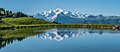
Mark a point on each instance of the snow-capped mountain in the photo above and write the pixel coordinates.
(67, 17)
(53, 14)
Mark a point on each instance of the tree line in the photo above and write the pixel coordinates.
(6, 13)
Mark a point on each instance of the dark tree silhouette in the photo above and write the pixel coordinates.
(10, 14)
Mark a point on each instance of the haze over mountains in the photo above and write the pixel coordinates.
(67, 17)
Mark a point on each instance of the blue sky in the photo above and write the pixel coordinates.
(106, 7)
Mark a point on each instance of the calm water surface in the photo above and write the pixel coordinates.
(60, 40)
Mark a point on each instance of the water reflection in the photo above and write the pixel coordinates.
(4, 42)
(9, 36)
(60, 34)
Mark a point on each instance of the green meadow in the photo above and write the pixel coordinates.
(29, 22)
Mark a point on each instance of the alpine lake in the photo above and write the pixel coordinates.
(60, 40)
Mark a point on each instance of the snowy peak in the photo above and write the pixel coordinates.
(51, 15)
(58, 10)
(52, 12)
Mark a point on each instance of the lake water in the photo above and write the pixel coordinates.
(60, 40)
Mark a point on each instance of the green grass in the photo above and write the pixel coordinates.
(93, 26)
(4, 25)
(20, 32)
(24, 21)
(8, 36)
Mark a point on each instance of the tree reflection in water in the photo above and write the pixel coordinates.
(9, 36)
(4, 42)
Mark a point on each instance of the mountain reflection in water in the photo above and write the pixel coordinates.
(62, 33)
(9, 36)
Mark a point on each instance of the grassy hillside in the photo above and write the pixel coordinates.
(20, 32)
(29, 22)
(22, 21)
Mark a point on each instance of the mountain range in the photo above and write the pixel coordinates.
(67, 17)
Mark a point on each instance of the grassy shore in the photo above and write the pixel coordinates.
(28, 22)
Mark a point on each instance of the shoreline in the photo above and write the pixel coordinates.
(92, 26)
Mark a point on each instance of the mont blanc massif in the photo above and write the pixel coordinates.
(67, 17)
